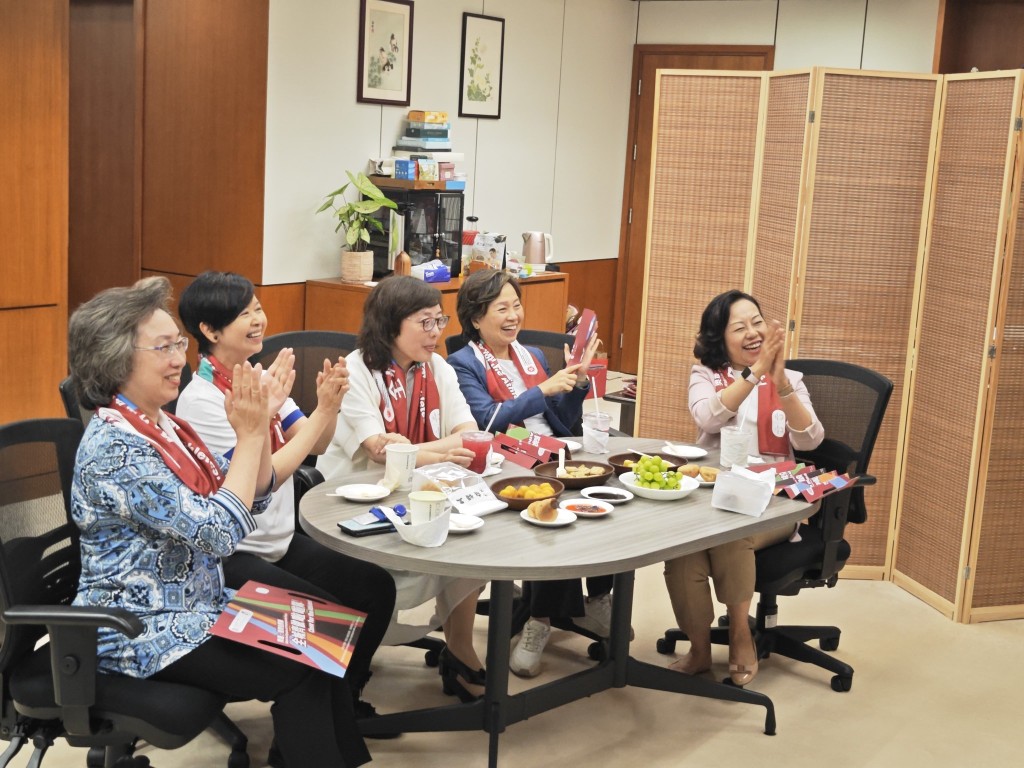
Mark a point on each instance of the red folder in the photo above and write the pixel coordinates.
(584, 330)
(301, 627)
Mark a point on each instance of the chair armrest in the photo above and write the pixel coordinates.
(306, 477)
(56, 616)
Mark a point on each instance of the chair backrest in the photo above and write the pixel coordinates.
(311, 348)
(551, 343)
(69, 396)
(39, 553)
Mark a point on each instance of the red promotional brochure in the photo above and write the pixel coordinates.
(526, 448)
(584, 330)
(292, 624)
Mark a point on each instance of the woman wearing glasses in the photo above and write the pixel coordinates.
(158, 511)
(222, 312)
(402, 391)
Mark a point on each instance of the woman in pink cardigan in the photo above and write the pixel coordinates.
(742, 379)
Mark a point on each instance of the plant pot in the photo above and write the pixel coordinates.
(356, 266)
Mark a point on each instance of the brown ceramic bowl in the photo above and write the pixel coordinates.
(575, 483)
(517, 482)
(617, 459)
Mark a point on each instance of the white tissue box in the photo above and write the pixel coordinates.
(743, 491)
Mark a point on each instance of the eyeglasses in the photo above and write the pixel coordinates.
(169, 349)
(428, 323)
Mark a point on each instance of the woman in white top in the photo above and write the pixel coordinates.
(402, 391)
(742, 379)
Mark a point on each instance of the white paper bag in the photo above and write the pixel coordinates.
(743, 491)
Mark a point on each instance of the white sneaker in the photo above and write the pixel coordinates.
(525, 658)
(597, 616)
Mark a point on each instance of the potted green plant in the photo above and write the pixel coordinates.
(356, 217)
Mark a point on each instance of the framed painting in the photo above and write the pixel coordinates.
(483, 51)
(385, 52)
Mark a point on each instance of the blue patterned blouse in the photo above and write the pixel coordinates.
(152, 545)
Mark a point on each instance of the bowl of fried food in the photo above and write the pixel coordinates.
(578, 474)
(624, 462)
(520, 492)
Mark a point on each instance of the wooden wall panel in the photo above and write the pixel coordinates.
(205, 135)
(966, 241)
(706, 128)
(869, 191)
(592, 286)
(33, 153)
(101, 221)
(34, 354)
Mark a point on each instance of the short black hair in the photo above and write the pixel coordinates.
(710, 346)
(391, 301)
(214, 298)
(476, 294)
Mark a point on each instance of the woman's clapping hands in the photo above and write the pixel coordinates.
(247, 404)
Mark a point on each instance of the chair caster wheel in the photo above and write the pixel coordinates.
(829, 643)
(597, 651)
(432, 658)
(238, 760)
(841, 684)
(665, 646)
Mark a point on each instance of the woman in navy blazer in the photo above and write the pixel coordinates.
(507, 383)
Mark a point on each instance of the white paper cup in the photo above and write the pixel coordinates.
(425, 506)
(734, 443)
(399, 464)
(595, 432)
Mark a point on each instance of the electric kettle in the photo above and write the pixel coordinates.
(537, 248)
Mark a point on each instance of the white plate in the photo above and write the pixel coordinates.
(607, 493)
(361, 492)
(565, 517)
(495, 459)
(491, 470)
(687, 485)
(459, 523)
(572, 445)
(602, 508)
(683, 451)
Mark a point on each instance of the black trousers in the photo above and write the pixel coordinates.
(310, 567)
(314, 723)
(563, 598)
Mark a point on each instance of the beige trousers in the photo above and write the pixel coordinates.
(731, 566)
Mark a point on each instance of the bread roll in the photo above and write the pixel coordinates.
(543, 510)
(690, 470)
(709, 474)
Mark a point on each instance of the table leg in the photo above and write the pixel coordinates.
(496, 691)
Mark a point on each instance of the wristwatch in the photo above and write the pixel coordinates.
(750, 376)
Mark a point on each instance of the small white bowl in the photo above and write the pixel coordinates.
(608, 493)
(586, 507)
(686, 486)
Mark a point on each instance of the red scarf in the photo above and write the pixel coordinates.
(220, 376)
(771, 420)
(499, 385)
(202, 475)
(417, 425)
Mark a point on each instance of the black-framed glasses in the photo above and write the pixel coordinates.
(169, 349)
(428, 323)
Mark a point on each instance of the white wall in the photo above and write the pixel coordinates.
(555, 159)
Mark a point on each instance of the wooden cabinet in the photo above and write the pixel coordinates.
(333, 305)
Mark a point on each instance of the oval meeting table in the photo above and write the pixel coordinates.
(506, 548)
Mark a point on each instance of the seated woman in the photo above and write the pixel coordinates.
(506, 383)
(158, 511)
(402, 391)
(741, 379)
(221, 311)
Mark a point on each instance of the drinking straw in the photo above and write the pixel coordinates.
(493, 416)
(593, 387)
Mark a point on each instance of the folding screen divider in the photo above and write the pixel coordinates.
(961, 533)
(703, 164)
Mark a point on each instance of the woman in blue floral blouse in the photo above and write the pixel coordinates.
(157, 512)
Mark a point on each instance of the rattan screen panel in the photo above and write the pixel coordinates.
(953, 330)
(705, 138)
(778, 204)
(868, 199)
(998, 575)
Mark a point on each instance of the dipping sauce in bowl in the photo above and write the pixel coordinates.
(586, 507)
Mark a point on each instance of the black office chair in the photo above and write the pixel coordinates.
(54, 692)
(850, 402)
(69, 396)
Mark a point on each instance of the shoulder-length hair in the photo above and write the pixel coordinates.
(102, 334)
(389, 303)
(477, 293)
(214, 298)
(710, 346)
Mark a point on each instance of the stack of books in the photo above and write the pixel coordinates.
(424, 152)
(426, 130)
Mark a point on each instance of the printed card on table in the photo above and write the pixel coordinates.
(525, 448)
(301, 627)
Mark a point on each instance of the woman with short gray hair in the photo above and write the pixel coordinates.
(157, 510)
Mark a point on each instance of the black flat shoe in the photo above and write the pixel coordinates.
(451, 668)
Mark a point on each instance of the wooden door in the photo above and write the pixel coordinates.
(647, 60)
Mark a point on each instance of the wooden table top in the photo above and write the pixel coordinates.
(506, 547)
